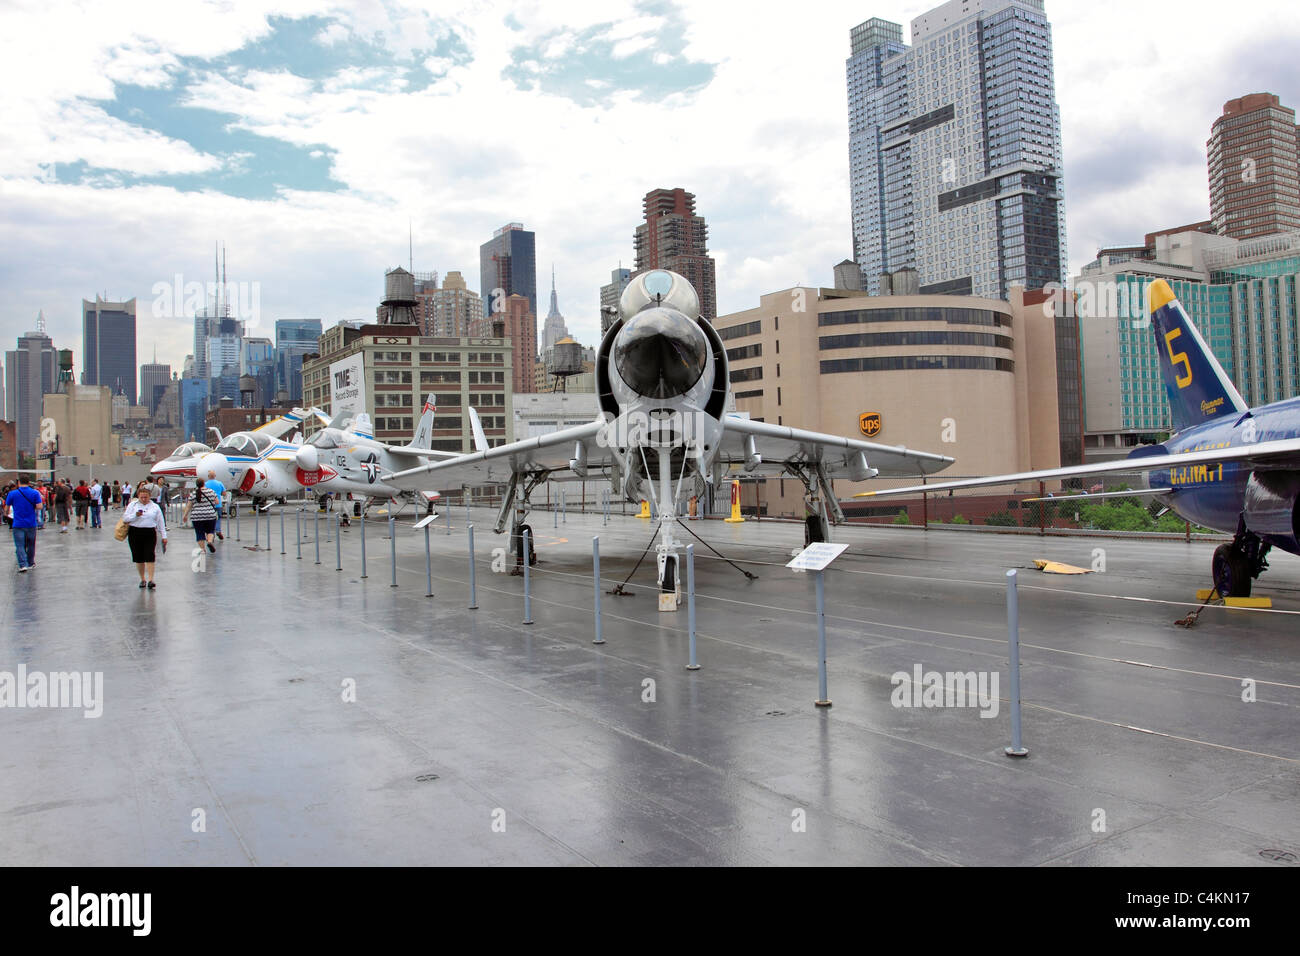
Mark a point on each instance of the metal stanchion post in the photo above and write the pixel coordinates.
(823, 700)
(363, 545)
(528, 603)
(282, 551)
(467, 508)
(428, 565)
(595, 577)
(257, 531)
(338, 545)
(690, 603)
(268, 529)
(392, 548)
(447, 512)
(473, 595)
(315, 532)
(298, 534)
(555, 515)
(564, 505)
(237, 523)
(1013, 639)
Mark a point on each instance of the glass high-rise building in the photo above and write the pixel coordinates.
(108, 343)
(508, 262)
(154, 379)
(31, 372)
(294, 338)
(955, 150)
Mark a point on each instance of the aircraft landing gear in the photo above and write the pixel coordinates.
(521, 509)
(819, 499)
(1236, 565)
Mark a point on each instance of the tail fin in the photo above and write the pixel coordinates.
(476, 426)
(1195, 383)
(424, 429)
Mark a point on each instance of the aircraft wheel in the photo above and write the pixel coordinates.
(1231, 571)
(813, 530)
(669, 583)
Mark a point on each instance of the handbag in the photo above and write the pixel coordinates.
(119, 532)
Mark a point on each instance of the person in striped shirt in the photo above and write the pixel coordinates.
(201, 511)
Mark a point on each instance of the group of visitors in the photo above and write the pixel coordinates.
(142, 525)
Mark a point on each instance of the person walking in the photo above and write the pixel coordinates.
(81, 503)
(23, 506)
(146, 529)
(96, 503)
(127, 494)
(201, 511)
(116, 494)
(63, 504)
(218, 489)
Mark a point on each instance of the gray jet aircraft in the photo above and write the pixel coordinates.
(662, 433)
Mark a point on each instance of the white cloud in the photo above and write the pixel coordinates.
(763, 146)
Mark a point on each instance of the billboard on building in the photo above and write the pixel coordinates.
(348, 385)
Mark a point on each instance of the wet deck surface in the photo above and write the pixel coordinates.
(474, 739)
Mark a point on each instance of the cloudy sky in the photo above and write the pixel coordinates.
(306, 134)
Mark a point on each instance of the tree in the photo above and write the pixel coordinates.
(960, 519)
(902, 518)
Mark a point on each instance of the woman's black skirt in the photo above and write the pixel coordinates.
(142, 541)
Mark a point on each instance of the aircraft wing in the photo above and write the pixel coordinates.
(777, 444)
(279, 427)
(1284, 453)
(415, 453)
(549, 452)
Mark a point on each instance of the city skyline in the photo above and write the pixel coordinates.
(239, 128)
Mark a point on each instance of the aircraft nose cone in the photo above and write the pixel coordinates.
(215, 463)
(661, 353)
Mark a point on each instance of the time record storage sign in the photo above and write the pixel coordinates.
(348, 385)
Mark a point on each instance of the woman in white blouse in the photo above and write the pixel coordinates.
(145, 525)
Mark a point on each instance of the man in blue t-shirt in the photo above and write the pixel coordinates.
(218, 489)
(24, 504)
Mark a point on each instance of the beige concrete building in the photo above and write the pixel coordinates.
(400, 368)
(83, 418)
(973, 378)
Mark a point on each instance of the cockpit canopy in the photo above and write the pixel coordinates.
(190, 449)
(245, 445)
(325, 438)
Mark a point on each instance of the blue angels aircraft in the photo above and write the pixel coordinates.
(1226, 466)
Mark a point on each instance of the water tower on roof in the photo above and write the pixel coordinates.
(566, 360)
(399, 297)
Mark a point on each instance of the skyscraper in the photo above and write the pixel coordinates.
(108, 345)
(31, 371)
(257, 359)
(955, 149)
(1254, 164)
(454, 310)
(554, 328)
(294, 338)
(673, 237)
(154, 379)
(508, 262)
(610, 294)
(521, 330)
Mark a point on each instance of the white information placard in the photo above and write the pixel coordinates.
(816, 557)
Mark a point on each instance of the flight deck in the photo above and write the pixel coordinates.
(261, 708)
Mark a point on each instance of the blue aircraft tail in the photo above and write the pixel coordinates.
(1195, 383)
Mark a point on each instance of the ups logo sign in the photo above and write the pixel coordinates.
(870, 424)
